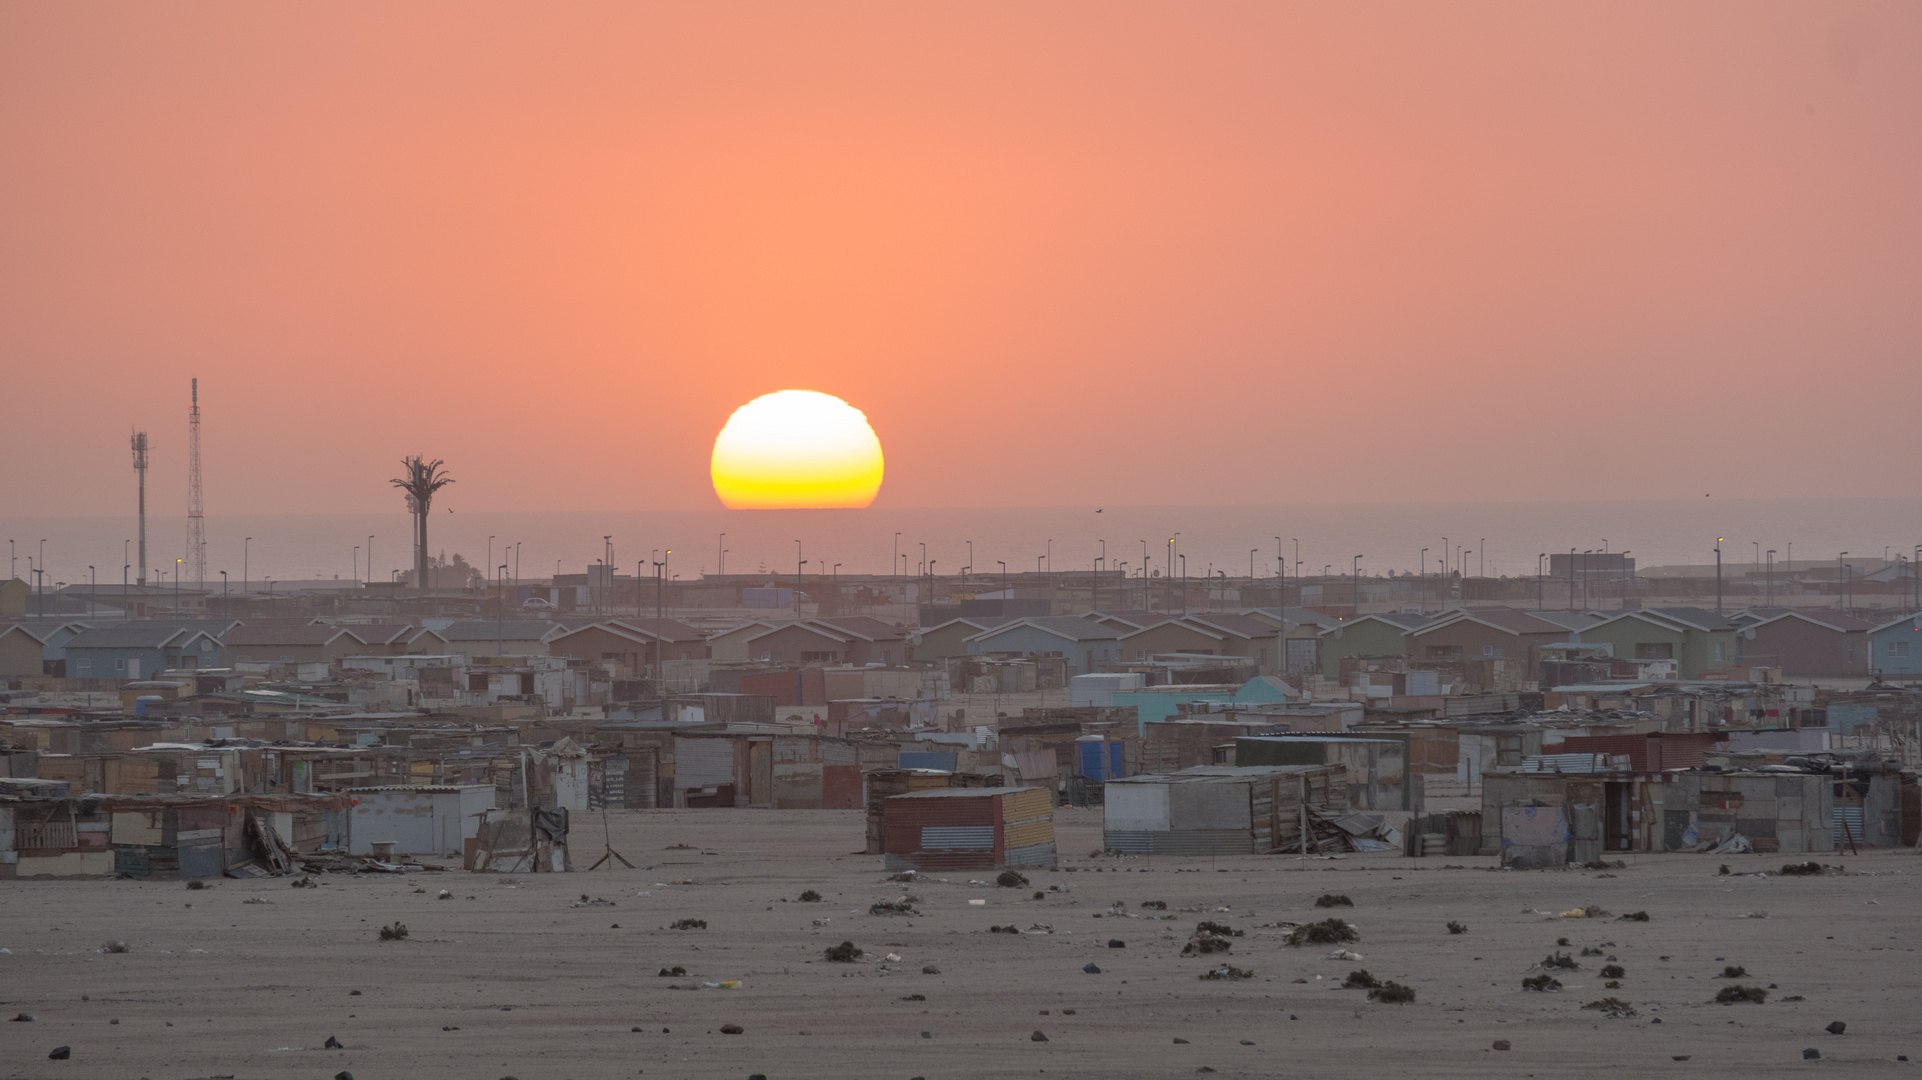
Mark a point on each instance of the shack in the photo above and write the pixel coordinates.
(1379, 772)
(1539, 820)
(419, 819)
(1219, 809)
(883, 784)
(970, 829)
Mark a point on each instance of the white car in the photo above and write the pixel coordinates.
(537, 603)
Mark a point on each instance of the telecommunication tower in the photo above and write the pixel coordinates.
(140, 468)
(196, 517)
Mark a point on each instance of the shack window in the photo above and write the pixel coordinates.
(1492, 650)
(1896, 648)
(1659, 650)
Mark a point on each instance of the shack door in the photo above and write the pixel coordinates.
(1585, 813)
(1621, 796)
(760, 773)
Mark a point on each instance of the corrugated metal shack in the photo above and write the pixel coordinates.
(1379, 773)
(163, 836)
(419, 819)
(883, 784)
(1219, 809)
(970, 829)
(1536, 820)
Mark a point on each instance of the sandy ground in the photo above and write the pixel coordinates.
(514, 977)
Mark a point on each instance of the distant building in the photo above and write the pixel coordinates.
(1084, 644)
(1380, 634)
(140, 650)
(1809, 643)
(1698, 641)
(1896, 646)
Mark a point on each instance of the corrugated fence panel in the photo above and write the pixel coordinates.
(703, 762)
(1027, 833)
(1181, 842)
(957, 837)
(1032, 855)
(1026, 805)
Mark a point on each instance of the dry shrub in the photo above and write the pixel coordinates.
(1559, 961)
(672, 973)
(1802, 869)
(1158, 905)
(1733, 995)
(892, 907)
(1613, 1007)
(1542, 984)
(1009, 879)
(688, 924)
(1733, 971)
(396, 932)
(1333, 900)
(810, 897)
(1613, 971)
(1457, 928)
(1209, 926)
(1635, 916)
(199, 884)
(1206, 945)
(1360, 980)
(845, 953)
(1325, 932)
(1393, 993)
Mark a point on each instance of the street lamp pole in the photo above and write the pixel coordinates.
(798, 564)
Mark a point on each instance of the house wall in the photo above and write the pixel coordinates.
(1802, 648)
(269, 653)
(597, 643)
(20, 655)
(1371, 638)
(1906, 656)
(945, 642)
(1473, 637)
(1082, 656)
(1170, 637)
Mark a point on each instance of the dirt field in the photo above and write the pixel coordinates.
(515, 977)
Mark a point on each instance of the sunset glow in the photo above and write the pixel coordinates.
(797, 449)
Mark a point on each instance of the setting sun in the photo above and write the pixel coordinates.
(796, 449)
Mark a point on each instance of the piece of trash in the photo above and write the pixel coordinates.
(892, 958)
(731, 1029)
(332, 1044)
(1092, 969)
(1811, 1054)
(1836, 1028)
(977, 903)
(1037, 1037)
(62, 1053)
(1344, 954)
(1501, 1044)
(1117, 943)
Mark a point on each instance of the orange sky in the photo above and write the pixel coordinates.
(1097, 253)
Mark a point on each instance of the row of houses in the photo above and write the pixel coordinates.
(1689, 643)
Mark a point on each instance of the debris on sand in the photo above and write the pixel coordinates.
(1158, 905)
(114, 947)
(1502, 1045)
(1836, 1028)
(1037, 1037)
(1209, 926)
(671, 973)
(1333, 900)
(731, 1029)
(1589, 912)
(1806, 869)
(396, 932)
(1542, 984)
(60, 1053)
(199, 884)
(1634, 916)
(845, 953)
(1393, 993)
(1226, 973)
(1733, 971)
(930, 969)
(303, 882)
(332, 1044)
(902, 906)
(1559, 962)
(688, 924)
(1092, 969)
(1735, 995)
(810, 897)
(1010, 879)
(1325, 932)
(905, 875)
(23, 1018)
(1613, 1007)
(1457, 928)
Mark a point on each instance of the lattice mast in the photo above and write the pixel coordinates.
(196, 512)
(140, 470)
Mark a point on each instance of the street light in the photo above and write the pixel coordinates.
(1422, 567)
(1354, 583)
(246, 547)
(721, 546)
(798, 564)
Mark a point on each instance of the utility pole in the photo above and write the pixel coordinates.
(196, 511)
(140, 467)
(1718, 575)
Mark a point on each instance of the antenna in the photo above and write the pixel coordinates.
(140, 467)
(196, 516)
